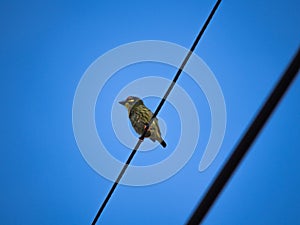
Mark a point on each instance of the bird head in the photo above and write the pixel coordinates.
(130, 102)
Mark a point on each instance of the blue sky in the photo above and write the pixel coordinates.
(46, 46)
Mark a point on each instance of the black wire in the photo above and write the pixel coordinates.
(246, 141)
(187, 57)
(117, 181)
(156, 112)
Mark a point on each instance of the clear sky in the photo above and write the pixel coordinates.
(46, 46)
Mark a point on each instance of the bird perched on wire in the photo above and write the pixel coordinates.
(140, 116)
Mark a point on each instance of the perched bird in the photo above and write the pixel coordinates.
(140, 116)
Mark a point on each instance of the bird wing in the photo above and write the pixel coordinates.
(139, 118)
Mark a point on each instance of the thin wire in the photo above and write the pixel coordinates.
(246, 141)
(141, 138)
(187, 58)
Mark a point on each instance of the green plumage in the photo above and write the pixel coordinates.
(140, 116)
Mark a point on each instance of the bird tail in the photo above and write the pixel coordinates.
(160, 140)
(163, 143)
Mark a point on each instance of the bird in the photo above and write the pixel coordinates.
(140, 116)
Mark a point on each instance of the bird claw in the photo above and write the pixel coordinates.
(145, 127)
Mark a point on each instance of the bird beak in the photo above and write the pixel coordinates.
(122, 102)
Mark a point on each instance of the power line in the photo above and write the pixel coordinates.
(141, 138)
(246, 141)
